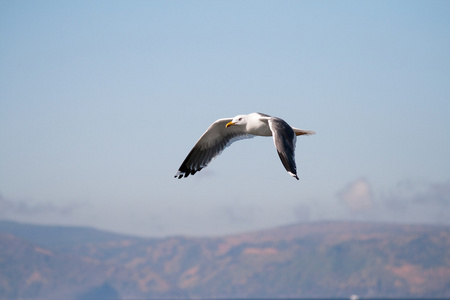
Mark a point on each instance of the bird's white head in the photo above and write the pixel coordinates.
(238, 120)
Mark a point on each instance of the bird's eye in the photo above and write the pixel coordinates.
(240, 119)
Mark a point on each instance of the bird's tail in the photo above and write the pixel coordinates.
(303, 132)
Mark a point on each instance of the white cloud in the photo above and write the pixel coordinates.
(357, 196)
(414, 201)
(408, 202)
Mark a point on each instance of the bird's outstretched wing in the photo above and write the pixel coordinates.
(215, 139)
(284, 139)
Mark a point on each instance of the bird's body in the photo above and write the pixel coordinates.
(223, 132)
(258, 124)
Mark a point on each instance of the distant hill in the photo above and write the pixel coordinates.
(60, 238)
(325, 259)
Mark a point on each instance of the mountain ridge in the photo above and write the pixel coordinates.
(324, 259)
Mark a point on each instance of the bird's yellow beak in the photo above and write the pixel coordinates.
(229, 124)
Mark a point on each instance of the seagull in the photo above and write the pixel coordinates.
(223, 132)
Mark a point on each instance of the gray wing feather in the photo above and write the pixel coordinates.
(284, 139)
(215, 139)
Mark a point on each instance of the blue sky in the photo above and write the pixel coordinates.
(100, 102)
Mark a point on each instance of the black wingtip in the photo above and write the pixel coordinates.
(186, 172)
(293, 175)
(180, 175)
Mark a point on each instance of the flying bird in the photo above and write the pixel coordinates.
(224, 132)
